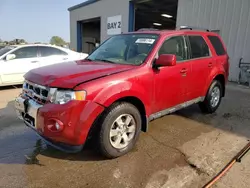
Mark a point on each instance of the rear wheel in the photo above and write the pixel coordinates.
(120, 129)
(213, 98)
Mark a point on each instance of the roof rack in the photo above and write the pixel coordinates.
(193, 28)
(148, 29)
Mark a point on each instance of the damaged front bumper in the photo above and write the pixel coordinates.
(27, 110)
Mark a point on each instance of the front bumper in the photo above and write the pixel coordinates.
(58, 145)
(76, 118)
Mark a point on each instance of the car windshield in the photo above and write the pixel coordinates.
(5, 50)
(125, 49)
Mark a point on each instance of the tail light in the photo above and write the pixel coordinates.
(227, 65)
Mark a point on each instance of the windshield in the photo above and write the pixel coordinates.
(5, 50)
(125, 49)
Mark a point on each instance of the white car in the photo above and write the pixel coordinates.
(16, 60)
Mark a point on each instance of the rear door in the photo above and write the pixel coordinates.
(171, 83)
(220, 50)
(202, 63)
(50, 55)
(13, 70)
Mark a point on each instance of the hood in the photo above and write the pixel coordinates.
(70, 74)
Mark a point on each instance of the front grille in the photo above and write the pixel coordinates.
(36, 92)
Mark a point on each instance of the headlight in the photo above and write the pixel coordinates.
(64, 96)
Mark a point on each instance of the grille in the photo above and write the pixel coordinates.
(36, 92)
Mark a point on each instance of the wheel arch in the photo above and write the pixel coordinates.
(128, 99)
(140, 106)
(221, 79)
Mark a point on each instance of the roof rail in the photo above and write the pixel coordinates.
(148, 29)
(193, 28)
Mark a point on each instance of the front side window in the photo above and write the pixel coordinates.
(125, 49)
(199, 47)
(49, 51)
(26, 52)
(175, 46)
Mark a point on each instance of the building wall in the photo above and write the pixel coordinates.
(231, 17)
(103, 9)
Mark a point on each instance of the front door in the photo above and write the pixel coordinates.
(171, 83)
(12, 71)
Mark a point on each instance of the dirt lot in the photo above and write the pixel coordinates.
(185, 149)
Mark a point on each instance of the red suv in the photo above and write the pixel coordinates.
(128, 81)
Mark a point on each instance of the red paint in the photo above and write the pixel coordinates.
(105, 83)
(67, 75)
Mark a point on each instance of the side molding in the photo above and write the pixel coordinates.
(175, 108)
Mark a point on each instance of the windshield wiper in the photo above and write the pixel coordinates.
(105, 60)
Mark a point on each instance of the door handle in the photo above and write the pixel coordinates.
(183, 71)
(66, 58)
(34, 61)
(210, 64)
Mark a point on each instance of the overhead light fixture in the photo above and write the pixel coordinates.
(167, 15)
(157, 24)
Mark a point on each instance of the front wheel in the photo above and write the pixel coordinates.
(120, 129)
(213, 98)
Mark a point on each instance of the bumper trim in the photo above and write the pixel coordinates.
(59, 146)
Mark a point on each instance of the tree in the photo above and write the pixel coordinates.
(55, 40)
(22, 41)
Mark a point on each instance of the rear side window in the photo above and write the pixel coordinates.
(218, 46)
(199, 47)
(49, 51)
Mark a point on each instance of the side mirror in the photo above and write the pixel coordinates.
(10, 57)
(166, 60)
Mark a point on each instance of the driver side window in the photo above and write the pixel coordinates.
(26, 52)
(176, 46)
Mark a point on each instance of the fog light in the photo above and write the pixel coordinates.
(55, 125)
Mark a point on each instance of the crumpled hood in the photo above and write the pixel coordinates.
(70, 74)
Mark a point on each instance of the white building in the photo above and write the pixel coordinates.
(94, 21)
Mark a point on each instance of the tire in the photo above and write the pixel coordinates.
(207, 106)
(114, 121)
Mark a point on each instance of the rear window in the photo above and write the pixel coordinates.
(218, 46)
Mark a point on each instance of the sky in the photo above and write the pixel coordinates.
(35, 20)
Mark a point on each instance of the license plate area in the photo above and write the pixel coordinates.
(28, 110)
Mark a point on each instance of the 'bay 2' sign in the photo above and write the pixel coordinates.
(114, 25)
